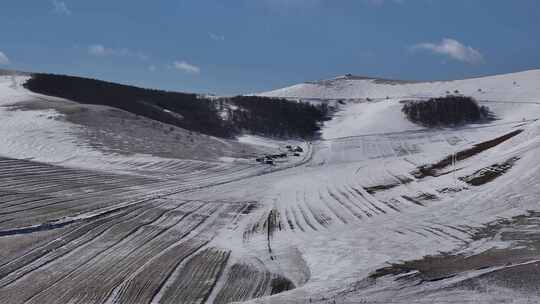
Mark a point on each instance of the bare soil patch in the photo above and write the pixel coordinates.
(433, 169)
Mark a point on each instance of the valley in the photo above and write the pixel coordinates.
(101, 205)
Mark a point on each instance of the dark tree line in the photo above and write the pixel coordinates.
(258, 115)
(446, 111)
(277, 117)
(196, 113)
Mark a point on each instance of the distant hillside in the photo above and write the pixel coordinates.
(4, 72)
(222, 117)
(522, 86)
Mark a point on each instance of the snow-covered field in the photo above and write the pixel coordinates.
(522, 86)
(350, 220)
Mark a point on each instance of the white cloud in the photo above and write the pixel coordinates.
(4, 60)
(60, 7)
(216, 37)
(102, 51)
(98, 50)
(453, 49)
(186, 67)
(152, 68)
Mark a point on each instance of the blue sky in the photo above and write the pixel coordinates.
(242, 46)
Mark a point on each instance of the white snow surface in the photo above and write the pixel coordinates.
(522, 86)
(34, 135)
(41, 135)
(334, 232)
(259, 141)
(369, 143)
(373, 106)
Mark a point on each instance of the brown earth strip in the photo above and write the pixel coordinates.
(432, 169)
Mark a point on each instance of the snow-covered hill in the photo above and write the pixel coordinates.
(363, 169)
(55, 130)
(379, 210)
(373, 105)
(522, 86)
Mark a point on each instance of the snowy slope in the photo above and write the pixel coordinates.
(313, 230)
(43, 134)
(346, 232)
(522, 86)
(373, 106)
